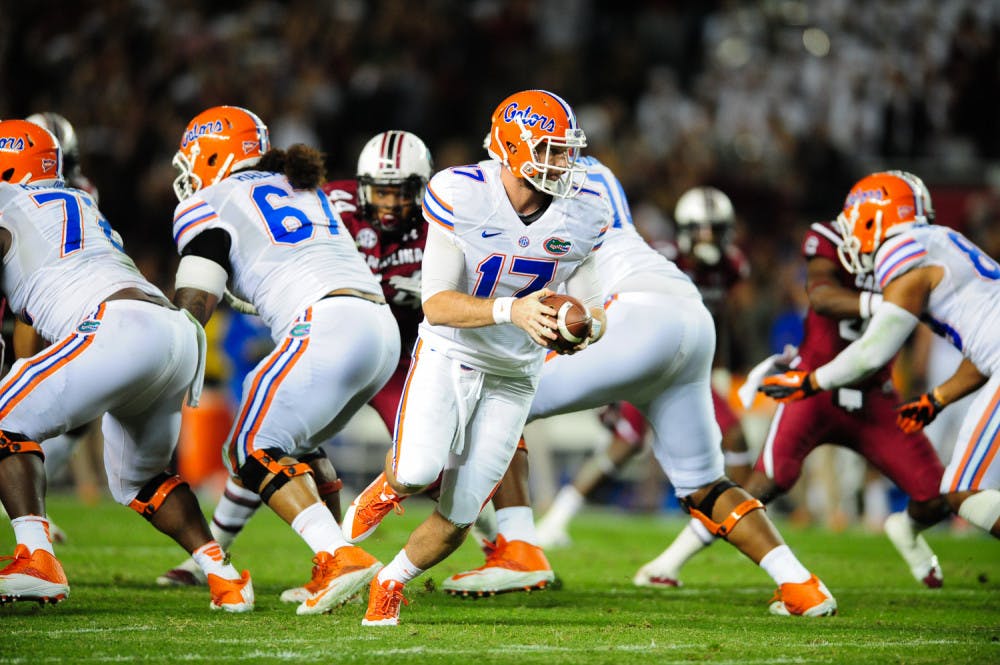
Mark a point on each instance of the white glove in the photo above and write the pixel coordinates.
(239, 305)
(409, 285)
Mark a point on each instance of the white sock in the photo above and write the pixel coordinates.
(212, 560)
(781, 564)
(234, 510)
(318, 528)
(517, 523)
(701, 531)
(565, 506)
(687, 543)
(400, 569)
(32, 531)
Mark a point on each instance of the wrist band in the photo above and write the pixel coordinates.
(595, 329)
(868, 302)
(501, 309)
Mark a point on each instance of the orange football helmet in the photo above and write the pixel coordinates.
(215, 143)
(878, 206)
(28, 154)
(534, 134)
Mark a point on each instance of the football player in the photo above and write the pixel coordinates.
(861, 417)
(380, 208)
(502, 234)
(255, 219)
(655, 307)
(930, 273)
(705, 252)
(120, 349)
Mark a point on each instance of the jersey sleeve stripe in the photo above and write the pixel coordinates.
(432, 195)
(431, 217)
(189, 209)
(437, 211)
(898, 258)
(193, 223)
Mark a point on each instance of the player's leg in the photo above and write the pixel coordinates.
(738, 459)
(473, 471)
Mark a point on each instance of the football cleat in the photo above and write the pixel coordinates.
(301, 594)
(340, 577)
(231, 595)
(652, 575)
(915, 551)
(188, 573)
(369, 508)
(384, 599)
(510, 566)
(809, 599)
(36, 576)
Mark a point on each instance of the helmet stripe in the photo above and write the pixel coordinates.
(567, 109)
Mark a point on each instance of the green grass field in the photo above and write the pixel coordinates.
(116, 613)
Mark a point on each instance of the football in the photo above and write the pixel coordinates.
(573, 321)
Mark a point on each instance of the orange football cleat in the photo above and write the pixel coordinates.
(510, 566)
(384, 599)
(338, 578)
(231, 595)
(36, 576)
(368, 510)
(809, 599)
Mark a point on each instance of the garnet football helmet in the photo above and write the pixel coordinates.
(215, 143)
(704, 217)
(534, 134)
(878, 206)
(28, 154)
(393, 170)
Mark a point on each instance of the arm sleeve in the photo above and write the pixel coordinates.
(212, 244)
(443, 265)
(888, 330)
(585, 283)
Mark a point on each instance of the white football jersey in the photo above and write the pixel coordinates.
(626, 263)
(288, 249)
(505, 257)
(65, 259)
(964, 307)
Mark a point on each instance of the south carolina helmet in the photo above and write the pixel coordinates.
(704, 218)
(65, 135)
(878, 206)
(29, 154)
(534, 133)
(215, 143)
(393, 159)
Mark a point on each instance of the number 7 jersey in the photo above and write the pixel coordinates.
(506, 257)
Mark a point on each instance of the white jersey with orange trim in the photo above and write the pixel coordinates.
(626, 263)
(288, 249)
(964, 307)
(64, 260)
(505, 257)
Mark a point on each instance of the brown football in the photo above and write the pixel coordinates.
(573, 321)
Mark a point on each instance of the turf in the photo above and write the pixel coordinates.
(116, 613)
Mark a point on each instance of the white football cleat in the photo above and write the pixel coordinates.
(231, 595)
(188, 573)
(914, 549)
(807, 599)
(510, 566)
(656, 575)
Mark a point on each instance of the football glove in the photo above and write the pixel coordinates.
(409, 285)
(788, 387)
(916, 414)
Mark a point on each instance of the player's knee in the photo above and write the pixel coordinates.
(152, 495)
(264, 474)
(702, 503)
(414, 478)
(13, 443)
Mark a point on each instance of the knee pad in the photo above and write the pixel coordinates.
(703, 511)
(12, 443)
(262, 463)
(154, 493)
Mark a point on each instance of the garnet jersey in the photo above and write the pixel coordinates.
(714, 282)
(824, 337)
(288, 248)
(394, 258)
(505, 257)
(58, 235)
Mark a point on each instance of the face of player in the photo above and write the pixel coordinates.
(392, 204)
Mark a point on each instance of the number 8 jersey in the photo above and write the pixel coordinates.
(64, 259)
(288, 247)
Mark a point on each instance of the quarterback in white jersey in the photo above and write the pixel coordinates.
(653, 306)
(937, 275)
(255, 218)
(502, 234)
(119, 348)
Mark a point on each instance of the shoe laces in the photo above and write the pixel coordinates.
(380, 506)
(388, 600)
(21, 554)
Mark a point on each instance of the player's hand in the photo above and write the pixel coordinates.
(914, 415)
(790, 386)
(409, 285)
(538, 320)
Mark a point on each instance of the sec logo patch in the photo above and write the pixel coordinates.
(366, 238)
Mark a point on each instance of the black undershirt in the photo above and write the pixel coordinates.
(533, 217)
(212, 244)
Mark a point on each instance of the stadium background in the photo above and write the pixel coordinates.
(780, 103)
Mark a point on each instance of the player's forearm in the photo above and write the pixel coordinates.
(459, 310)
(966, 379)
(200, 303)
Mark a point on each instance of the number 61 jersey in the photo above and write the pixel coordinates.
(506, 257)
(964, 307)
(288, 247)
(64, 259)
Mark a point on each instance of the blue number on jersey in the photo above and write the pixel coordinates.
(300, 227)
(72, 240)
(540, 270)
(983, 264)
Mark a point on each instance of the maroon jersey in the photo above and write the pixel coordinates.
(714, 282)
(395, 259)
(824, 337)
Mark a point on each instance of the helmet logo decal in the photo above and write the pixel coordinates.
(556, 246)
(11, 143)
(210, 127)
(249, 146)
(873, 195)
(48, 165)
(528, 117)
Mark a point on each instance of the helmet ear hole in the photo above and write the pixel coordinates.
(213, 159)
(7, 175)
(869, 224)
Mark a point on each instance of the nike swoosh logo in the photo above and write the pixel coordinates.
(490, 235)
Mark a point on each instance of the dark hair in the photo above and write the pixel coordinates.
(302, 165)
